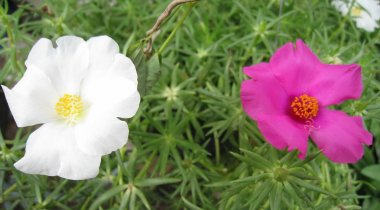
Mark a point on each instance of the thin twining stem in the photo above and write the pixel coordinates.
(156, 27)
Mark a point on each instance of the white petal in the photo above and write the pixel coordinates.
(341, 6)
(123, 68)
(372, 6)
(33, 99)
(368, 16)
(125, 108)
(72, 62)
(100, 135)
(65, 66)
(51, 150)
(366, 22)
(115, 97)
(102, 53)
(113, 92)
(42, 55)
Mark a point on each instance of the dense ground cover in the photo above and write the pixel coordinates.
(191, 146)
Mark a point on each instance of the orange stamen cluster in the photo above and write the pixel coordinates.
(304, 107)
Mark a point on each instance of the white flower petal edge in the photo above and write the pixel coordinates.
(51, 150)
(66, 65)
(123, 67)
(102, 52)
(372, 6)
(119, 79)
(117, 97)
(32, 100)
(366, 22)
(100, 135)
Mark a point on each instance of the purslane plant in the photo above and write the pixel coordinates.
(77, 91)
(200, 134)
(290, 92)
(80, 89)
(289, 98)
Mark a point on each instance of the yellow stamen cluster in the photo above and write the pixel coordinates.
(69, 107)
(304, 107)
(356, 11)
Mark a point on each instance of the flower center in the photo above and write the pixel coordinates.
(69, 107)
(356, 11)
(304, 107)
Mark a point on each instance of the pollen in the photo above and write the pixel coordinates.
(356, 11)
(304, 107)
(69, 107)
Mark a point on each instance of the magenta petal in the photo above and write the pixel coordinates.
(340, 137)
(336, 83)
(281, 131)
(294, 66)
(262, 95)
(254, 71)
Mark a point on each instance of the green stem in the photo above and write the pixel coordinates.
(217, 149)
(144, 170)
(121, 166)
(11, 39)
(340, 28)
(179, 24)
(9, 190)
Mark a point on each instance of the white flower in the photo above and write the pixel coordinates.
(365, 12)
(77, 91)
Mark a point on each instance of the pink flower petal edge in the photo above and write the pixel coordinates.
(342, 137)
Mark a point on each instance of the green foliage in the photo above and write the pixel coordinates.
(191, 144)
(288, 183)
(372, 171)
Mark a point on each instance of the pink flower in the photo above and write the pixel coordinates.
(288, 98)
